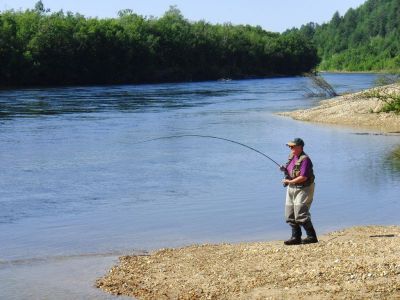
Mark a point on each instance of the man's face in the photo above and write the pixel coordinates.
(296, 150)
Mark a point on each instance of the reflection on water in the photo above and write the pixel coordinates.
(75, 182)
(393, 159)
(70, 100)
(55, 101)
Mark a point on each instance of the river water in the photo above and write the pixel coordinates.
(77, 189)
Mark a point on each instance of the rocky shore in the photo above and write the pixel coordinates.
(356, 110)
(354, 263)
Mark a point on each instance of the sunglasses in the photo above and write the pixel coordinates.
(291, 147)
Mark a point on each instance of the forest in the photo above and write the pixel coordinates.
(363, 39)
(39, 47)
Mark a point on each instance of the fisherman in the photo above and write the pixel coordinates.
(300, 184)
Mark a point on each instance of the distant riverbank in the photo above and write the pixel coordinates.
(134, 49)
(355, 110)
(359, 262)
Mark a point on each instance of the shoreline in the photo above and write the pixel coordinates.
(352, 110)
(357, 262)
(358, 72)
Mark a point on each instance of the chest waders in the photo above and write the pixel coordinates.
(298, 190)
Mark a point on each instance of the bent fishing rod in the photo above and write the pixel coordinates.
(211, 137)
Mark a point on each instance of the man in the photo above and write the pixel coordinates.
(299, 195)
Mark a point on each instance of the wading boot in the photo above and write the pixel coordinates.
(296, 236)
(311, 235)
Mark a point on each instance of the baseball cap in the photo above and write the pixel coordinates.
(296, 142)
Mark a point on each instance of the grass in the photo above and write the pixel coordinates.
(319, 86)
(391, 99)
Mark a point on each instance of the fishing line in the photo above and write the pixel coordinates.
(211, 137)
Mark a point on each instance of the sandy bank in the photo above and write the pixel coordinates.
(354, 110)
(356, 263)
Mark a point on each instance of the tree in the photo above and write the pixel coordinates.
(39, 7)
(365, 38)
(37, 47)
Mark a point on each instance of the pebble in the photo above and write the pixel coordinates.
(328, 270)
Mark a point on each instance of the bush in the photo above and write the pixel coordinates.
(390, 98)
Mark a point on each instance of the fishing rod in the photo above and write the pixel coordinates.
(211, 137)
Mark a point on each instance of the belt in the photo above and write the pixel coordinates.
(300, 185)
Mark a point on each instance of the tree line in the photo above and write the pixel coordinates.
(38, 47)
(363, 39)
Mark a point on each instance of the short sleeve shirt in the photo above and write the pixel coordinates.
(305, 167)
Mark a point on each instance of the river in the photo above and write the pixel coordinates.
(77, 189)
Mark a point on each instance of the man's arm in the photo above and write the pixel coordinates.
(304, 170)
(297, 180)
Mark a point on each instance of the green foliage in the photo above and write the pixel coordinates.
(364, 39)
(39, 7)
(390, 98)
(392, 105)
(38, 47)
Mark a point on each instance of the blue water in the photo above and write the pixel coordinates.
(75, 183)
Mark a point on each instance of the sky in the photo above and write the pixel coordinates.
(272, 15)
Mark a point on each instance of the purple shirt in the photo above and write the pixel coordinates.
(305, 167)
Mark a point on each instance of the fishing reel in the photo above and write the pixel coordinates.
(287, 176)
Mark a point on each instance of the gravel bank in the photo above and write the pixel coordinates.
(355, 263)
(353, 110)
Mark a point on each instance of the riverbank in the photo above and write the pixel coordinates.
(355, 263)
(355, 110)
